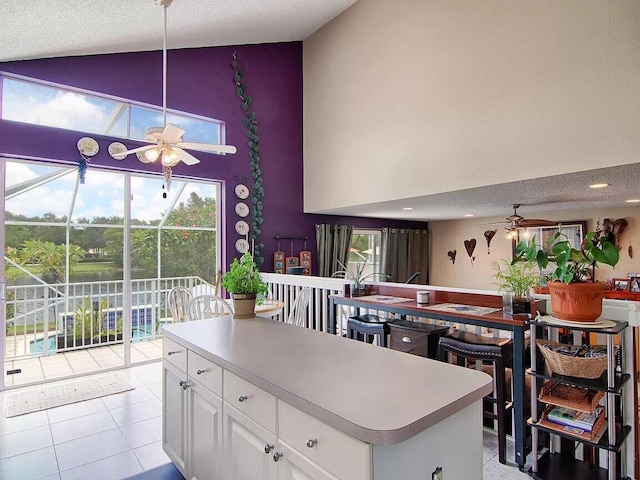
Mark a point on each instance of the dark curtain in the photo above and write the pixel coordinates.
(405, 252)
(332, 243)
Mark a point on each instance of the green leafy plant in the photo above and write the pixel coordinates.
(571, 265)
(250, 121)
(516, 278)
(87, 318)
(357, 276)
(244, 277)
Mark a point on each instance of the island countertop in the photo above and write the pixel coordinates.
(374, 394)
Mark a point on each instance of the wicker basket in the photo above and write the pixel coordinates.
(581, 367)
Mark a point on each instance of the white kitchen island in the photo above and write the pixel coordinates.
(260, 399)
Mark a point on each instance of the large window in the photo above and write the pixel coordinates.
(54, 225)
(365, 249)
(39, 103)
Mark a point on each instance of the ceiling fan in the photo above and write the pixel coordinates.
(515, 222)
(166, 141)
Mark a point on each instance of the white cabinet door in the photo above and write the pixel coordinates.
(174, 417)
(294, 466)
(249, 448)
(205, 433)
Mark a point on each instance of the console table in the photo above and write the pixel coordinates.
(515, 324)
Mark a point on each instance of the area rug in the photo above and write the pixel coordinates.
(49, 396)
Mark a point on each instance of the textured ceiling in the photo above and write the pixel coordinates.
(39, 29)
(52, 28)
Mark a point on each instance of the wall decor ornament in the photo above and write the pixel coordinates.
(250, 122)
(488, 235)
(470, 246)
(452, 256)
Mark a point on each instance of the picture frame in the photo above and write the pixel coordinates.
(634, 282)
(621, 284)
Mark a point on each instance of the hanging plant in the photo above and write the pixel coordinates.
(250, 122)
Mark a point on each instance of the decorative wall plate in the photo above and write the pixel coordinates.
(242, 227)
(242, 245)
(242, 209)
(88, 146)
(242, 191)
(116, 149)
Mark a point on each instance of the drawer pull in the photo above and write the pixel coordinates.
(268, 447)
(185, 385)
(182, 382)
(242, 398)
(200, 372)
(312, 442)
(406, 340)
(173, 353)
(277, 456)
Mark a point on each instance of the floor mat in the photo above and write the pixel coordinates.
(49, 396)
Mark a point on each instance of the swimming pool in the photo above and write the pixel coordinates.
(37, 346)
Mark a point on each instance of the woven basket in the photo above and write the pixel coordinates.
(581, 367)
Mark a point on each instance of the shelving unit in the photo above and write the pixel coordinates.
(552, 465)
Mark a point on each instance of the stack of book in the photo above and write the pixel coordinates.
(574, 418)
(588, 426)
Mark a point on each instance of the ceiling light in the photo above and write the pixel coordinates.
(170, 157)
(599, 185)
(468, 215)
(407, 209)
(152, 154)
(633, 200)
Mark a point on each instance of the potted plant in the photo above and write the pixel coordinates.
(244, 283)
(572, 296)
(515, 281)
(357, 277)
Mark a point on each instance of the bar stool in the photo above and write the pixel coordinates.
(368, 326)
(499, 352)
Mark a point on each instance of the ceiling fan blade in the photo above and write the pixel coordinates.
(139, 149)
(207, 147)
(536, 222)
(186, 157)
(172, 133)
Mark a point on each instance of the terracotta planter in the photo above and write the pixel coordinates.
(576, 302)
(244, 305)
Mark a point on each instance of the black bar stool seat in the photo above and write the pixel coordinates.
(497, 351)
(367, 327)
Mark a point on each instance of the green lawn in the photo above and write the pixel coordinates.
(79, 268)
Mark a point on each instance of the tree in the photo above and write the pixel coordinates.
(49, 258)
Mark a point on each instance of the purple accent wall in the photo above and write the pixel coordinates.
(200, 81)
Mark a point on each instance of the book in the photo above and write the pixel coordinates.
(574, 418)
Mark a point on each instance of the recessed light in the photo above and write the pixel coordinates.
(633, 200)
(407, 209)
(599, 185)
(468, 215)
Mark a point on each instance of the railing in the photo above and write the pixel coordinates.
(45, 319)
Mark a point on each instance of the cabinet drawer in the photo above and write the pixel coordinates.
(250, 400)
(175, 354)
(205, 372)
(341, 455)
(416, 338)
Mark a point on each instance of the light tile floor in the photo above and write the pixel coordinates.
(118, 436)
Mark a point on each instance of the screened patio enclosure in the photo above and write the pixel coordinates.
(88, 265)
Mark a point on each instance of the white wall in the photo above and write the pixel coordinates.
(416, 97)
(451, 235)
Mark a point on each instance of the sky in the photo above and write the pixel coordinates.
(102, 194)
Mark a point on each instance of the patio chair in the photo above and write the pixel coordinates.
(207, 306)
(178, 300)
(298, 313)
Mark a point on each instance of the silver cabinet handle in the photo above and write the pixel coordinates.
(182, 382)
(277, 456)
(268, 447)
(242, 398)
(185, 385)
(173, 353)
(312, 442)
(406, 340)
(200, 372)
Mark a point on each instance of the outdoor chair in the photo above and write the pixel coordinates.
(298, 313)
(178, 300)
